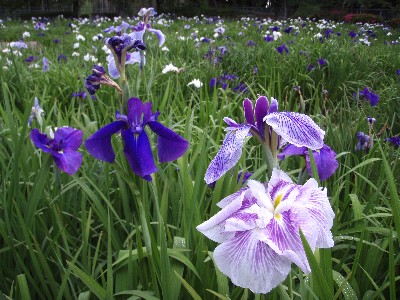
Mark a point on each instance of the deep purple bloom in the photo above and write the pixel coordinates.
(324, 158)
(353, 34)
(98, 77)
(56, 41)
(137, 147)
(61, 57)
(395, 140)
(310, 67)
(30, 59)
(213, 81)
(282, 48)
(398, 72)
(240, 88)
(295, 128)
(322, 61)
(268, 38)
(251, 43)
(80, 94)
(369, 96)
(275, 28)
(364, 142)
(63, 147)
(328, 33)
(288, 29)
(40, 25)
(257, 230)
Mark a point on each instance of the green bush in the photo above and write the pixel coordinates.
(395, 23)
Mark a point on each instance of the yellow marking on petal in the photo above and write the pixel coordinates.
(278, 217)
(278, 200)
(61, 152)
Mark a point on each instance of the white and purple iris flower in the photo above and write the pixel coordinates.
(258, 230)
(270, 127)
(137, 148)
(325, 159)
(63, 147)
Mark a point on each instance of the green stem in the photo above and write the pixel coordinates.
(125, 96)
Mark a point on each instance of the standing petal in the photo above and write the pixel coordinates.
(228, 155)
(68, 138)
(261, 110)
(170, 145)
(99, 144)
(137, 150)
(325, 161)
(251, 263)
(248, 111)
(297, 129)
(40, 140)
(68, 161)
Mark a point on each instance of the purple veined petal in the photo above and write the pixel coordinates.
(99, 144)
(248, 111)
(250, 263)
(298, 129)
(228, 155)
(228, 199)
(68, 161)
(170, 145)
(135, 109)
(137, 150)
(160, 35)
(317, 203)
(261, 110)
(214, 227)
(231, 123)
(279, 181)
(290, 150)
(259, 192)
(274, 106)
(68, 138)
(40, 140)
(325, 161)
(132, 58)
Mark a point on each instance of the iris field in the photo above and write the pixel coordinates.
(77, 222)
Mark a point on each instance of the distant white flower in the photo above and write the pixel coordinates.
(89, 57)
(26, 34)
(76, 45)
(164, 48)
(80, 37)
(276, 35)
(75, 54)
(170, 68)
(196, 82)
(6, 50)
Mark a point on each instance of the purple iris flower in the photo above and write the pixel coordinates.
(119, 29)
(80, 94)
(269, 127)
(141, 28)
(395, 140)
(364, 142)
(146, 13)
(56, 41)
(30, 59)
(19, 45)
(257, 230)
(61, 57)
(137, 147)
(40, 25)
(98, 77)
(288, 29)
(45, 64)
(37, 114)
(282, 48)
(310, 67)
(251, 43)
(268, 38)
(353, 34)
(398, 72)
(370, 96)
(322, 61)
(325, 159)
(63, 147)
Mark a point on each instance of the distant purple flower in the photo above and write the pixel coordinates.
(310, 67)
(45, 64)
(364, 142)
(251, 43)
(213, 82)
(353, 34)
(61, 57)
(187, 26)
(240, 88)
(370, 96)
(146, 13)
(80, 94)
(63, 147)
(328, 33)
(288, 29)
(255, 70)
(40, 34)
(398, 72)
(19, 45)
(395, 140)
(282, 48)
(268, 38)
(56, 41)
(295, 128)
(324, 158)
(275, 28)
(30, 59)
(258, 228)
(205, 40)
(37, 113)
(40, 25)
(137, 148)
(322, 61)
(98, 77)
(222, 50)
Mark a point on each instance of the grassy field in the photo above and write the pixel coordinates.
(105, 232)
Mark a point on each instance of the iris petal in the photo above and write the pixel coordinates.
(68, 138)
(170, 145)
(99, 144)
(297, 129)
(160, 36)
(68, 161)
(40, 140)
(251, 263)
(228, 155)
(137, 150)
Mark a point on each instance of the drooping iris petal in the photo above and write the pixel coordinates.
(68, 161)
(137, 150)
(228, 155)
(250, 263)
(68, 138)
(99, 144)
(297, 129)
(290, 150)
(159, 34)
(170, 145)
(40, 140)
(325, 161)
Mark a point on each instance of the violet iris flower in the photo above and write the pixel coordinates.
(364, 142)
(257, 230)
(119, 46)
(37, 114)
(119, 29)
(370, 96)
(282, 48)
(63, 147)
(98, 77)
(137, 147)
(45, 64)
(270, 127)
(395, 140)
(324, 158)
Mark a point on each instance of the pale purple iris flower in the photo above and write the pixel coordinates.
(37, 114)
(270, 127)
(63, 147)
(364, 141)
(325, 159)
(258, 230)
(118, 29)
(137, 148)
(142, 27)
(45, 64)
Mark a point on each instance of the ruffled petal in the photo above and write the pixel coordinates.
(228, 155)
(40, 140)
(170, 145)
(250, 263)
(298, 129)
(99, 144)
(325, 161)
(160, 35)
(137, 150)
(68, 161)
(68, 138)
